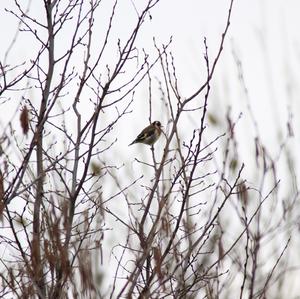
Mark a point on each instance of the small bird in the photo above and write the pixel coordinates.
(149, 135)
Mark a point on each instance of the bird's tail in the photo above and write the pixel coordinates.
(133, 142)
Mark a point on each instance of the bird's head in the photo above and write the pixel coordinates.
(157, 124)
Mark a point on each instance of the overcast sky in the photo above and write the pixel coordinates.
(264, 34)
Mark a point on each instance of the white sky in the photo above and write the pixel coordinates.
(265, 35)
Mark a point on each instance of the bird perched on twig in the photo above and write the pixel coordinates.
(149, 135)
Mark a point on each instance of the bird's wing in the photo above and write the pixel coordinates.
(146, 133)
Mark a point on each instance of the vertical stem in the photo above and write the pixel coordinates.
(37, 261)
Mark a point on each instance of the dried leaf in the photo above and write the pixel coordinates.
(96, 168)
(243, 193)
(213, 119)
(2, 205)
(221, 249)
(24, 120)
(157, 259)
(290, 129)
(233, 164)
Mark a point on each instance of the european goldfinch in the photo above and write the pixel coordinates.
(149, 135)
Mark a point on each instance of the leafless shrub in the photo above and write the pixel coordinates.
(192, 227)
